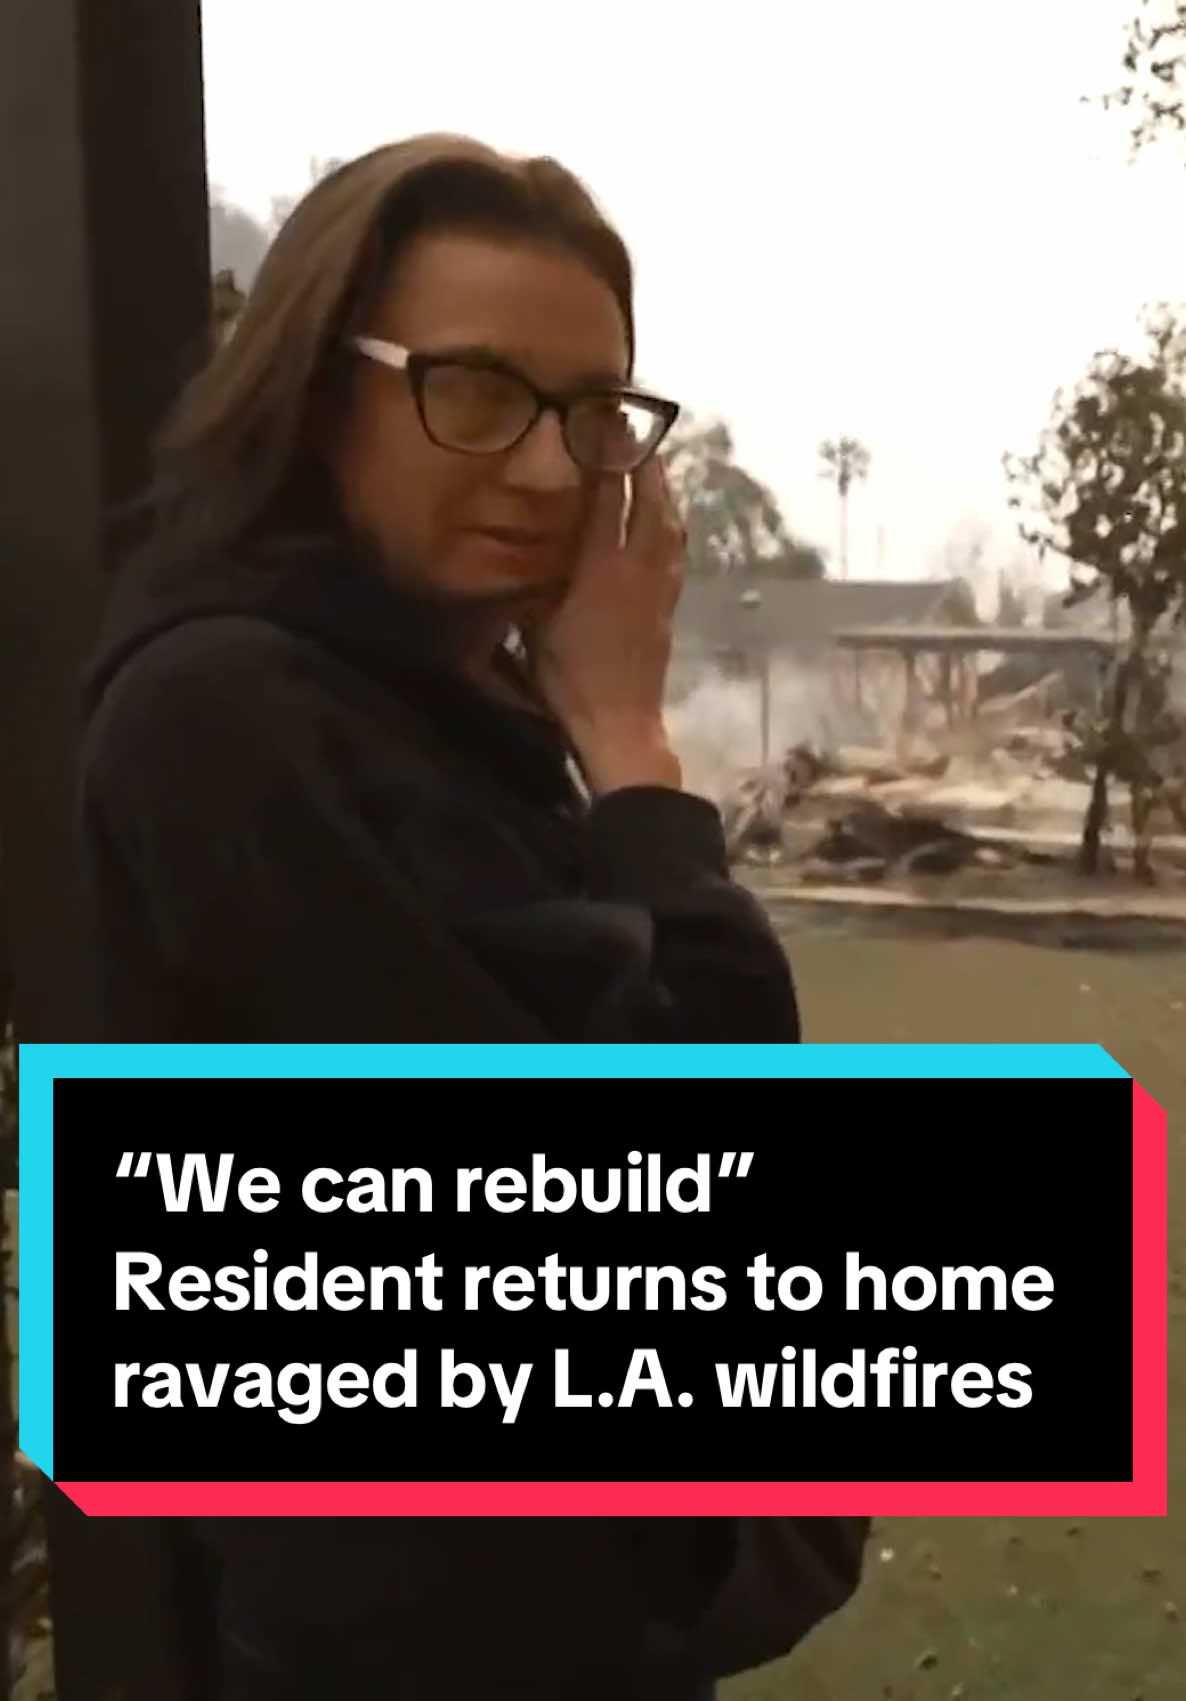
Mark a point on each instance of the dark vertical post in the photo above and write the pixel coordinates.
(973, 666)
(104, 297)
(104, 301)
(909, 699)
(764, 694)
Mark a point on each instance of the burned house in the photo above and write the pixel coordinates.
(757, 661)
(735, 627)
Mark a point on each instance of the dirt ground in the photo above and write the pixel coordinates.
(1039, 1609)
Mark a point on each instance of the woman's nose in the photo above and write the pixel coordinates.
(541, 462)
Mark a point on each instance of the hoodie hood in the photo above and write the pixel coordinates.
(323, 590)
(313, 585)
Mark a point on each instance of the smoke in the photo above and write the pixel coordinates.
(717, 725)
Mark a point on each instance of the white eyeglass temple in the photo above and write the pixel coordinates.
(387, 354)
(391, 354)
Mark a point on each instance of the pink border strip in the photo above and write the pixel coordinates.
(1144, 1496)
(1150, 1283)
(601, 1499)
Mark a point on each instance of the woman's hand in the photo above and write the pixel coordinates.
(601, 658)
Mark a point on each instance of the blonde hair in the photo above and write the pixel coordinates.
(237, 452)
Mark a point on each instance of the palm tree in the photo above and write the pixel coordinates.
(845, 459)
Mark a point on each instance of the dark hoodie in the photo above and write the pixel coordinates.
(298, 826)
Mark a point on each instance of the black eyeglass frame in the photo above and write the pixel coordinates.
(417, 366)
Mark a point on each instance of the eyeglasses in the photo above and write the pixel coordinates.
(477, 405)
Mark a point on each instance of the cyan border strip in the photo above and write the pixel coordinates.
(552, 1062)
(36, 1264)
(42, 1065)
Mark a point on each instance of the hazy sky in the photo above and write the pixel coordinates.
(890, 219)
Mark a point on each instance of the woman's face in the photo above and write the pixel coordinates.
(485, 525)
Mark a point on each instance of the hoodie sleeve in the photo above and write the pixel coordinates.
(218, 826)
(787, 1576)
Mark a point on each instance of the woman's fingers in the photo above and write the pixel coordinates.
(656, 530)
(603, 531)
(603, 653)
(646, 509)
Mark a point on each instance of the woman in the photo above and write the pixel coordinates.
(375, 752)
